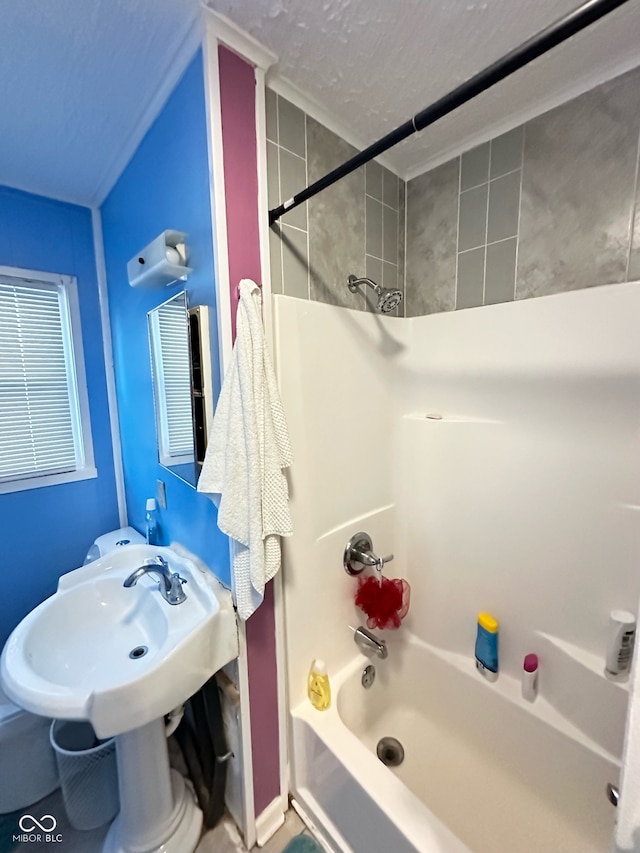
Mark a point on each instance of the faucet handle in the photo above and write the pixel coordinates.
(359, 555)
(176, 594)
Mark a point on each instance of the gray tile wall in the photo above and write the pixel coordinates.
(336, 221)
(432, 213)
(356, 226)
(551, 206)
(287, 174)
(384, 227)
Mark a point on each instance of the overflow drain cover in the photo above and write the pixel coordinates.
(138, 652)
(390, 751)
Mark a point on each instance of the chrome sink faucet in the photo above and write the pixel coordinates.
(369, 644)
(170, 583)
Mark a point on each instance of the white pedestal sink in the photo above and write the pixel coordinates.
(157, 811)
(122, 658)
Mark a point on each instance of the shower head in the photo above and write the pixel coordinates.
(388, 299)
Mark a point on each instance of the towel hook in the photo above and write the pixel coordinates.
(238, 289)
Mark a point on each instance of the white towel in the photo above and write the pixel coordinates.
(247, 449)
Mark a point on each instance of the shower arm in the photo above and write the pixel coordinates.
(353, 283)
(553, 35)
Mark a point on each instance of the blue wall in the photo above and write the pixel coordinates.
(166, 185)
(46, 532)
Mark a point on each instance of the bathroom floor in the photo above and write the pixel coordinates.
(224, 838)
(71, 840)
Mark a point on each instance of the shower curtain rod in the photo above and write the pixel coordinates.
(534, 47)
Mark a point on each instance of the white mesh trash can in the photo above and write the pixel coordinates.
(88, 773)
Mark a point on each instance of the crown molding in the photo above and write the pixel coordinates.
(236, 39)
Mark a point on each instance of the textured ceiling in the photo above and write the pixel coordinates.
(77, 79)
(80, 80)
(375, 63)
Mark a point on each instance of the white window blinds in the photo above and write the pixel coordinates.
(40, 431)
(173, 386)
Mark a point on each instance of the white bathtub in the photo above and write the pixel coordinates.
(484, 771)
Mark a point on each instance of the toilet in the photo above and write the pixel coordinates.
(28, 770)
(27, 764)
(112, 540)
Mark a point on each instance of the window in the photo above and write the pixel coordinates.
(44, 412)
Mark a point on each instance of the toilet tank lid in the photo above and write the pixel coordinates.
(116, 538)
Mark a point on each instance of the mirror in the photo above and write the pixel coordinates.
(181, 384)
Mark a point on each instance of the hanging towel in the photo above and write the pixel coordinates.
(247, 449)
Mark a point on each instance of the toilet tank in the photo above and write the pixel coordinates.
(114, 539)
(28, 769)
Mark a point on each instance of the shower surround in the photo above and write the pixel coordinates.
(521, 498)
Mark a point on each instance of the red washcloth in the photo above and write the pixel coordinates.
(385, 604)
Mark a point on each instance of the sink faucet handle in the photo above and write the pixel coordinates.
(176, 594)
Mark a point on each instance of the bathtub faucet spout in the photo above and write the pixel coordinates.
(369, 644)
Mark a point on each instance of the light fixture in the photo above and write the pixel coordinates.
(162, 262)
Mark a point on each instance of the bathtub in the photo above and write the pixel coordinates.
(484, 771)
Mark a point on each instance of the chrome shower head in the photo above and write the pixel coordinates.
(388, 299)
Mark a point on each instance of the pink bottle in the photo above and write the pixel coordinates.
(530, 678)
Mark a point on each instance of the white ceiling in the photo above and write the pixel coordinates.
(81, 80)
(80, 83)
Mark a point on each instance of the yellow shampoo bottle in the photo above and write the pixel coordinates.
(318, 686)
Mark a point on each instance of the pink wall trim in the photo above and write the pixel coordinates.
(238, 107)
(263, 691)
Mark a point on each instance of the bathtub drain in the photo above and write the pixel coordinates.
(390, 751)
(368, 676)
